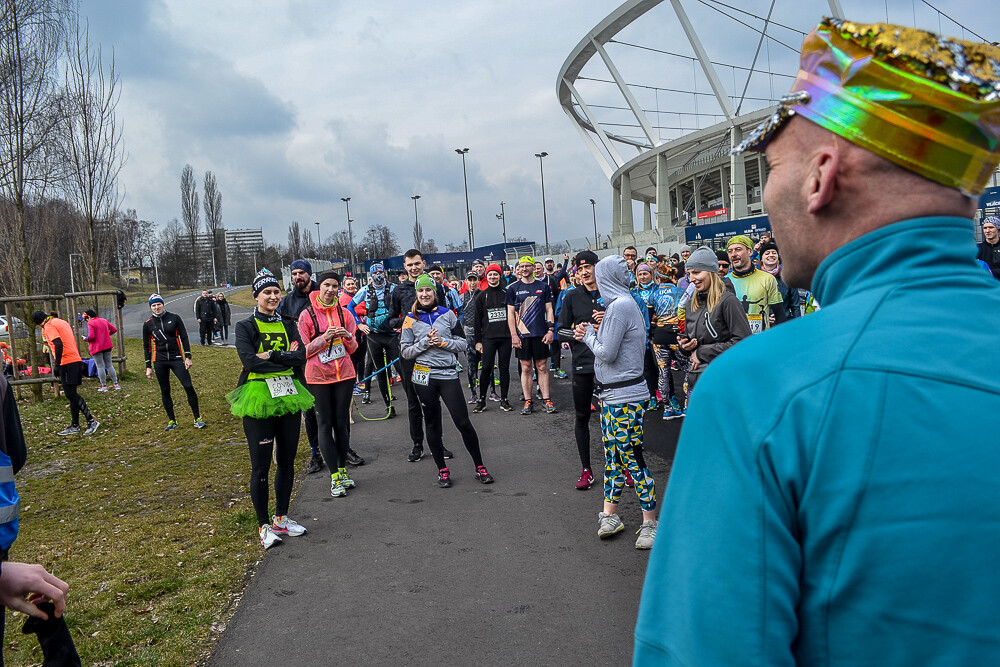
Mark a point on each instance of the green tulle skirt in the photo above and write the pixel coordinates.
(253, 399)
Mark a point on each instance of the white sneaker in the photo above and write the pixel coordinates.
(102, 390)
(608, 525)
(285, 526)
(646, 533)
(268, 538)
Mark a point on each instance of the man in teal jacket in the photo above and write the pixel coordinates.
(844, 509)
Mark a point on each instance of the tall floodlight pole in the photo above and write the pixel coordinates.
(545, 220)
(593, 205)
(350, 232)
(465, 179)
(318, 244)
(503, 222)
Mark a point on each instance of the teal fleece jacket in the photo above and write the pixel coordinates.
(840, 505)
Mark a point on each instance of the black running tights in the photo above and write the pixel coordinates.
(333, 409)
(76, 403)
(162, 370)
(583, 396)
(382, 349)
(501, 348)
(279, 435)
(450, 393)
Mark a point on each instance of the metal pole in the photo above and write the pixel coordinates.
(465, 179)
(72, 285)
(503, 221)
(545, 220)
(215, 279)
(593, 205)
(156, 269)
(350, 232)
(318, 244)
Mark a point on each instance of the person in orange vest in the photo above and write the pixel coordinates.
(68, 366)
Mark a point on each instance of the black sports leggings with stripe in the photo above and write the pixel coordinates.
(279, 435)
(162, 370)
(450, 393)
(333, 408)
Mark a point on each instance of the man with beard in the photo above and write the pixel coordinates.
(758, 290)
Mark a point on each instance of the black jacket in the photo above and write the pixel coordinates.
(164, 338)
(401, 301)
(295, 302)
(225, 312)
(205, 308)
(991, 255)
(11, 433)
(248, 342)
(490, 299)
(579, 306)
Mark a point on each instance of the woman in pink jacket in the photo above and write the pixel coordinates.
(99, 332)
(328, 331)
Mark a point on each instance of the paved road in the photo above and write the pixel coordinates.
(133, 315)
(401, 571)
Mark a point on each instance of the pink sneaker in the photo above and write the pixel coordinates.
(628, 478)
(586, 480)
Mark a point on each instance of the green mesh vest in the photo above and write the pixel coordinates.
(273, 336)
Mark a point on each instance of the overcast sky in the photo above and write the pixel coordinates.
(294, 105)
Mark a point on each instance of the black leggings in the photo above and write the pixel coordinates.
(333, 407)
(450, 392)
(76, 404)
(499, 347)
(583, 396)
(382, 348)
(281, 435)
(205, 331)
(359, 357)
(413, 410)
(162, 370)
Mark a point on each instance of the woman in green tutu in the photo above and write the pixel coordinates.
(270, 397)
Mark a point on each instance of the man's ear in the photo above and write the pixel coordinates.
(822, 181)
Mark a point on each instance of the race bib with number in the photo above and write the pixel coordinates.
(756, 323)
(281, 386)
(334, 351)
(421, 374)
(497, 314)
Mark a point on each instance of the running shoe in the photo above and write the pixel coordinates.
(493, 396)
(102, 390)
(69, 430)
(669, 413)
(646, 533)
(593, 408)
(659, 396)
(346, 481)
(586, 480)
(337, 489)
(282, 525)
(675, 404)
(473, 399)
(550, 407)
(200, 423)
(354, 458)
(628, 478)
(483, 475)
(560, 373)
(526, 410)
(444, 478)
(171, 425)
(448, 454)
(505, 405)
(366, 398)
(315, 463)
(118, 387)
(358, 390)
(608, 525)
(416, 454)
(480, 406)
(268, 538)
(651, 405)
(392, 412)
(92, 427)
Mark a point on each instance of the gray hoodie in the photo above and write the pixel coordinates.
(619, 345)
(413, 341)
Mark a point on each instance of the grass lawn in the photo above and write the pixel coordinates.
(242, 298)
(153, 531)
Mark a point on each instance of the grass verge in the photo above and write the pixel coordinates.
(153, 531)
(242, 298)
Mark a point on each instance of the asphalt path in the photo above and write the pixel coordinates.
(135, 314)
(401, 571)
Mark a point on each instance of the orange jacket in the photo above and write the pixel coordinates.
(335, 370)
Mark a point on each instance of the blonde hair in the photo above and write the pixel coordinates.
(716, 288)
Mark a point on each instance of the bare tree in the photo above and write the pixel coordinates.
(308, 247)
(30, 37)
(457, 247)
(213, 221)
(381, 241)
(91, 140)
(418, 237)
(294, 241)
(190, 214)
(430, 246)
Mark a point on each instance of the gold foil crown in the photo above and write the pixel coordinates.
(930, 104)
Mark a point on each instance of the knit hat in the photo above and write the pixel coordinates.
(155, 298)
(38, 316)
(741, 239)
(301, 264)
(643, 267)
(993, 220)
(722, 255)
(770, 245)
(527, 259)
(329, 274)
(494, 267)
(686, 247)
(424, 280)
(585, 257)
(703, 259)
(265, 278)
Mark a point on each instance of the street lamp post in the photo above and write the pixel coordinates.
(465, 179)
(593, 206)
(417, 234)
(156, 271)
(350, 233)
(545, 220)
(318, 244)
(503, 221)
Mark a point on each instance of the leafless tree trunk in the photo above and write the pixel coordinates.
(30, 36)
(190, 214)
(294, 241)
(213, 221)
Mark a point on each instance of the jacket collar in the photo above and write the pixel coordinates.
(904, 251)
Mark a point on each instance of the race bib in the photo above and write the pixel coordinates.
(756, 323)
(281, 386)
(496, 314)
(421, 374)
(334, 351)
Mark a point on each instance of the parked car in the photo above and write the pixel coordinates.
(20, 330)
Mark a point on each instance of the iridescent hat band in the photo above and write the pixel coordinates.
(928, 104)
